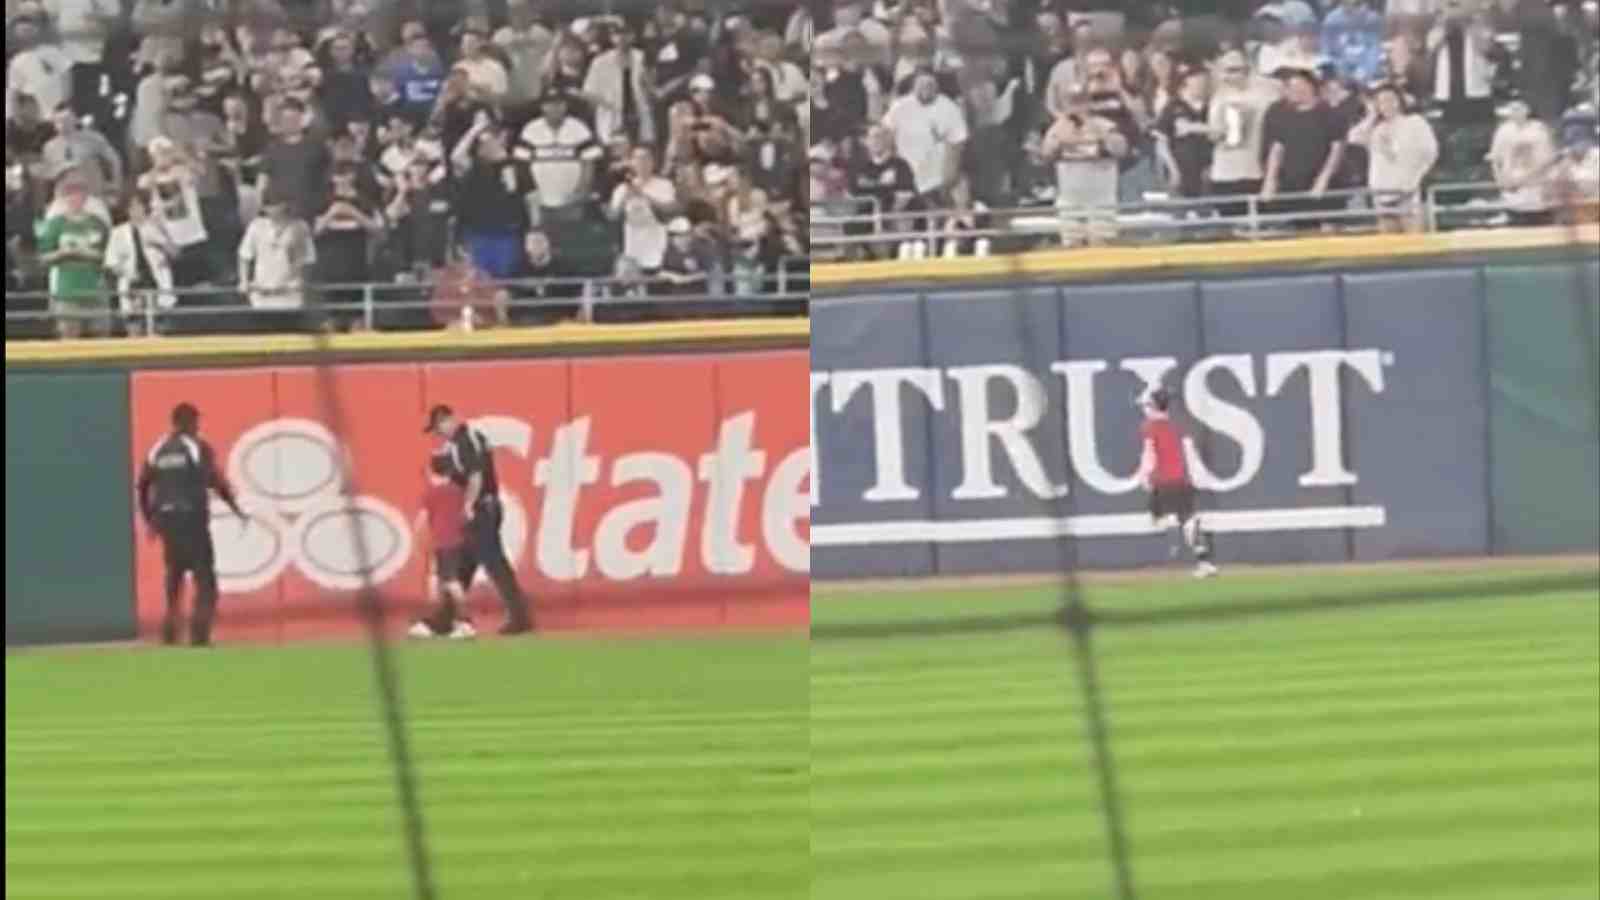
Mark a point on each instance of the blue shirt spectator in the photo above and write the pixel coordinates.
(1352, 42)
(417, 70)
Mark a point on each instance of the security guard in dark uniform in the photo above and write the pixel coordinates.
(175, 483)
(471, 465)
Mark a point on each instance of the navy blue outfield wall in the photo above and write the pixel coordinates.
(1363, 416)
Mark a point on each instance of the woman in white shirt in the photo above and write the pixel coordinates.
(139, 257)
(1401, 150)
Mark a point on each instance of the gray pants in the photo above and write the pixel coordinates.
(1086, 201)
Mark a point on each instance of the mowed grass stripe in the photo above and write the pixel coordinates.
(1318, 756)
(1022, 674)
(1158, 812)
(668, 769)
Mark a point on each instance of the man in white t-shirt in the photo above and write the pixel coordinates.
(929, 133)
(273, 257)
(645, 202)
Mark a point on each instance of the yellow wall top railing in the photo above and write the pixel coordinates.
(618, 338)
(1083, 263)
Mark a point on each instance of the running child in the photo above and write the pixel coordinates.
(1163, 473)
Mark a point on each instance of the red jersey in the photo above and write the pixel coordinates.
(447, 520)
(1168, 443)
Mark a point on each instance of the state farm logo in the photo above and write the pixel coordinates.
(640, 515)
(288, 474)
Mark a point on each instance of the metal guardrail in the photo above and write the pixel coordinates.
(1355, 210)
(782, 288)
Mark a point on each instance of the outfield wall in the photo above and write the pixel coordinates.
(1366, 415)
(642, 491)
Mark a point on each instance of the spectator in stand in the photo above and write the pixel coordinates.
(345, 153)
(22, 207)
(275, 257)
(1547, 59)
(1460, 47)
(1293, 38)
(691, 265)
(72, 245)
(244, 139)
(619, 84)
(420, 215)
(1347, 107)
(492, 204)
(929, 132)
(1183, 134)
(561, 153)
(38, 66)
(346, 87)
(1401, 151)
(139, 257)
(885, 180)
(485, 73)
(219, 69)
(1304, 151)
(84, 26)
(644, 203)
(1110, 98)
(1085, 148)
(172, 192)
(527, 45)
(294, 163)
(416, 69)
(27, 131)
(344, 233)
(546, 278)
(1523, 156)
(85, 151)
(1352, 41)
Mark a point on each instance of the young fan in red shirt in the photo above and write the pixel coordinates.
(1166, 477)
(442, 513)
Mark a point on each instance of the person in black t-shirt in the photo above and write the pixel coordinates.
(294, 162)
(491, 199)
(547, 275)
(471, 465)
(343, 235)
(420, 215)
(690, 263)
(1303, 149)
(887, 179)
(1183, 135)
(1347, 107)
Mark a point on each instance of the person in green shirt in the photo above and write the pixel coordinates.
(73, 245)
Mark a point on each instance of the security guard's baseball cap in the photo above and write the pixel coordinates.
(437, 414)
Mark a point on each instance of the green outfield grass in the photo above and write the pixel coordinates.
(550, 769)
(1445, 750)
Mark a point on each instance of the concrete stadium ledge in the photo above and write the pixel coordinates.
(1199, 256)
(561, 340)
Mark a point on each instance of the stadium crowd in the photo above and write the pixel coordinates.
(1314, 107)
(198, 153)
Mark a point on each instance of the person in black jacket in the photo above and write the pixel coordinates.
(471, 465)
(174, 500)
